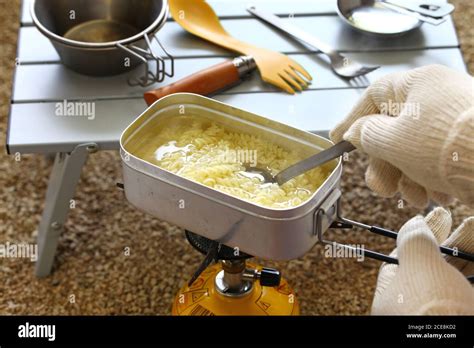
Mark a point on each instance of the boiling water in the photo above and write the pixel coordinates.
(213, 155)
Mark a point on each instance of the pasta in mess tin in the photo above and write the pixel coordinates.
(213, 155)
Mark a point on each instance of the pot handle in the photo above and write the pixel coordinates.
(150, 77)
(327, 216)
(346, 223)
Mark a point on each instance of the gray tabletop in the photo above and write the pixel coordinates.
(41, 81)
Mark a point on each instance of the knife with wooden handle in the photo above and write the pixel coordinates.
(208, 81)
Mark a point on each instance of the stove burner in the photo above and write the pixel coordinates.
(203, 245)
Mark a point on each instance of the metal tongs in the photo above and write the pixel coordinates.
(430, 12)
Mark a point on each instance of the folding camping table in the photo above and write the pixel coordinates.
(41, 82)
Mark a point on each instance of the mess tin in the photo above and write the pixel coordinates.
(268, 233)
(277, 234)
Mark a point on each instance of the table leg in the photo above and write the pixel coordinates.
(61, 188)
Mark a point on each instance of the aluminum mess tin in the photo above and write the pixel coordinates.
(268, 233)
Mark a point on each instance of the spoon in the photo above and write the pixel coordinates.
(300, 167)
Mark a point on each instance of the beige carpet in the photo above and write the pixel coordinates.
(91, 265)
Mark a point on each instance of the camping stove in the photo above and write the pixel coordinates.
(226, 284)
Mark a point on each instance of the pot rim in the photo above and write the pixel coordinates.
(155, 26)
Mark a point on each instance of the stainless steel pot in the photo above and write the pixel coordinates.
(277, 234)
(104, 37)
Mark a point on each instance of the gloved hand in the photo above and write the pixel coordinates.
(426, 282)
(417, 127)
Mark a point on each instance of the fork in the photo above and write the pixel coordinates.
(198, 18)
(340, 64)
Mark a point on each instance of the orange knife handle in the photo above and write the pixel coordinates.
(204, 82)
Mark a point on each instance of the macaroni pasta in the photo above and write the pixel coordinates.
(212, 155)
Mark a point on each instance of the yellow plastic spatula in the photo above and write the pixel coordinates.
(198, 18)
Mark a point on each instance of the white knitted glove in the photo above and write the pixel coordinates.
(418, 128)
(425, 282)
